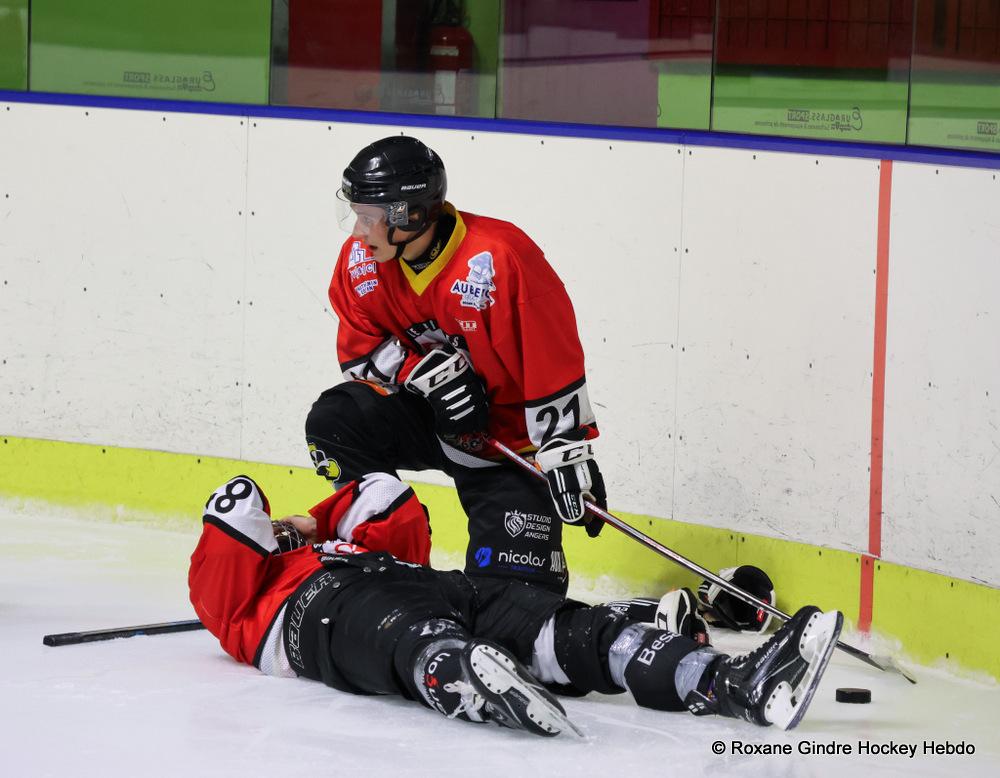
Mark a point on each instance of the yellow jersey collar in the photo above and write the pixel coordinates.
(420, 281)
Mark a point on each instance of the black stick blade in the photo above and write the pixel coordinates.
(73, 638)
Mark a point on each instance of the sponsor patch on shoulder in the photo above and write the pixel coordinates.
(358, 254)
(360, 266)
(475, 290)
(366, 287)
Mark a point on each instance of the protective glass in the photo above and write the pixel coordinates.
(361, 219)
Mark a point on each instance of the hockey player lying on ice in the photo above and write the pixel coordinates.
(358, 611)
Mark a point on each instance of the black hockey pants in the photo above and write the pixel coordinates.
(358, 624)
(355, 429)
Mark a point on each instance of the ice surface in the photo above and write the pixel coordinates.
(177, 705)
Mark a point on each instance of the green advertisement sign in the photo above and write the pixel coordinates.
(684, 94)
(13, 44)
(483, 22)
(959, 114)
(180, 50)
(849, 109)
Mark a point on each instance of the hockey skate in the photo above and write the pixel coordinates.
(774, 683)
(511, 697)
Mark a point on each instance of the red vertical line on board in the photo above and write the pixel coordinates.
(878, 397)
(867, 592)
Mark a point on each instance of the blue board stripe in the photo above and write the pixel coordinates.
(921, 154)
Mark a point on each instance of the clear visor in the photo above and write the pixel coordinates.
(360, 219)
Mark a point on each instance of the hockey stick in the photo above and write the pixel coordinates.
(885, 663)
(72, 638)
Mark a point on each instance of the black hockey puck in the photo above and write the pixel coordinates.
(854, 695)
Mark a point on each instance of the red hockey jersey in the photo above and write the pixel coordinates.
(491, 294)
(239, 584)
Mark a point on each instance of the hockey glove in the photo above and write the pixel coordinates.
(448, 382)
(568, 464)
(677, 612)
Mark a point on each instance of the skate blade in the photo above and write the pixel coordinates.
(786, 706)
(499, 676)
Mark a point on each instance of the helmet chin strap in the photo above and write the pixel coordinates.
(401, 247)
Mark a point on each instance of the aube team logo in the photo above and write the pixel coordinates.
(484, 555)
(475, 289)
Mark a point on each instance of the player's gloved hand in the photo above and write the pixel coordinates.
(677, 612)
(455, 392)
(568, 463)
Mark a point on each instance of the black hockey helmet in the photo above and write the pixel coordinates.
(725, 610)
(400, 176)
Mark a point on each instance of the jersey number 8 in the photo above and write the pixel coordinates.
(237, 489)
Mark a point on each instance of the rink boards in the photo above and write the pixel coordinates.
(164, 290)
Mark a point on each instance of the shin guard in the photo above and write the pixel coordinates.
(646, 660)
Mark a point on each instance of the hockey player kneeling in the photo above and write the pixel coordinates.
(339, 597)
